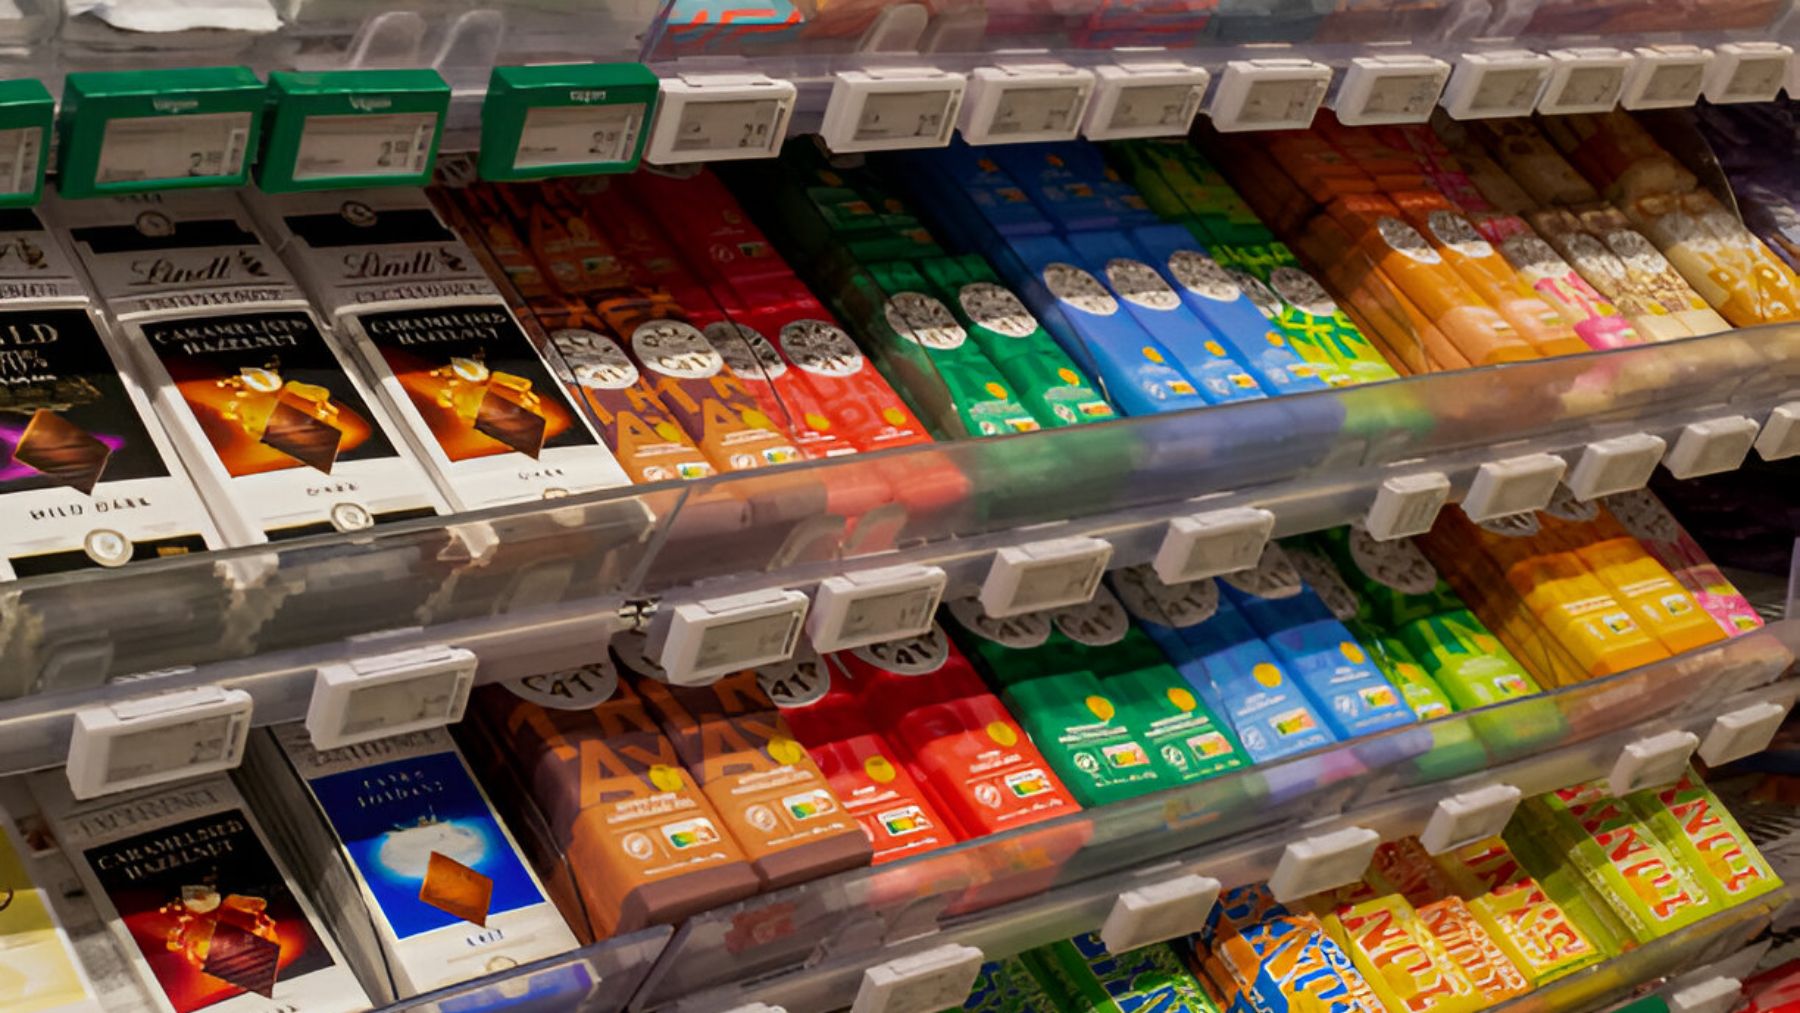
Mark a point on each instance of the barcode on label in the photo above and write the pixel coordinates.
(578, 135)
(394, 144)
(19, 152)
(145, 148)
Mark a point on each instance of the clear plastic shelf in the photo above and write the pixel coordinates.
(805, 947)
(542, 586)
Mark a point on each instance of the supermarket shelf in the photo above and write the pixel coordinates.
(464, 40)
(541, 587)
(806, 948)
(594, 979)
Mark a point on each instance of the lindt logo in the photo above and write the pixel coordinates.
(588, 95)
(417, 263)
(370, 103)
(174, 105)
(222, 267)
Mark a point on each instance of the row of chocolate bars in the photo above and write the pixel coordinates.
(641, 803)
(384, 378)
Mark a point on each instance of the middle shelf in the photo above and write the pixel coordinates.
(541, 587)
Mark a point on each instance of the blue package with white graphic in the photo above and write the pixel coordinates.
(1327, 662)
(393, 817)
(1229, 666)
(1152, 302)
(446, 890)
(1214, 296)
(1140, 375)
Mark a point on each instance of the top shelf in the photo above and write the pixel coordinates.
(542, 587)
(464, 38)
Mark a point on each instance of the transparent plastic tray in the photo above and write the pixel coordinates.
(805, 947)
(539, 587)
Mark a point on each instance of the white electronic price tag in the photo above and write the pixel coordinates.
(1213, 543)
(1588, 79)
(1781, 433)
(1743, 732)
(1468, 817)
(1324, 862)
(1614, 465)
(1158, 913)
(1717, 994)
(1407, 505)
(1516, 485)
(1747, 72)
(707, 639)
(1144, 100)
(389, 694)
(1651, 762)
(1503, 82)
(715, 117)
(1390, 89)
(889, 108)
(1665, 77)
(1711, 447)
(936, 979)
(1281, 94)
(1015, 103)
(151, 740)
(874, 606)
(1044, 575)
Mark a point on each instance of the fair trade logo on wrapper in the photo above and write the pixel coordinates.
(1202, 275)
(1021, 632)
(676, 349)
(1261, 296)
(1096, 623)
(1406, 241)
(1079, 289)
(1325, 581)
(576, 689)
(920, 655)
(1179, 605)
(997, 309)
(1644, 516)
(1564, 506)
(1398, 563)
(1454, 231)
(923, 320)
(820, 348)
(797, 682)
(1513, 525)
(1273, 576)
(746, 352)
(596, 360)
(1303, 291)
(1138, 282)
